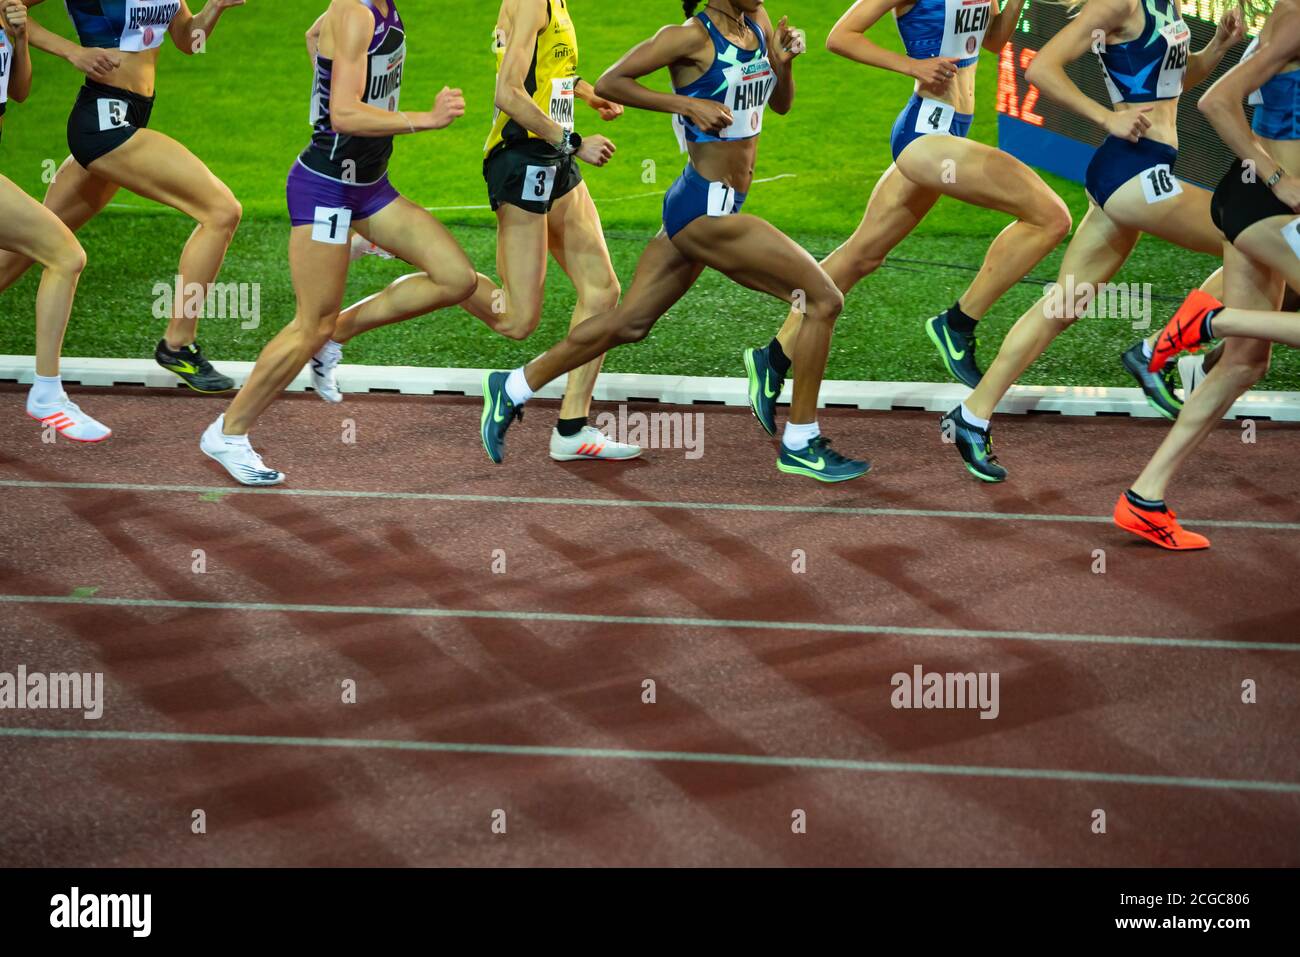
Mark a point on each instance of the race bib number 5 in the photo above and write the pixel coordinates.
(112, 115)
(934, 117)
(331, 225)
(1159, 183)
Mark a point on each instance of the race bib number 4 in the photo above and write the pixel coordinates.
(331, 225)
(1159, 183)
(539, 181)
(112, 115)
(146, 23)
(562, 100)
(934, 117)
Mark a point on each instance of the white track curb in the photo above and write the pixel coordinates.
(675, 390)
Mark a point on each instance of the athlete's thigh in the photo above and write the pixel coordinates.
(1098, 248)
(27, 227)
(521, 258)
(1182, 218)
(1266, 243)
(897, 205)
(319, 272)
(754, 253)
(974, 173)
(411, 233)
(77, 195)
(155, 166)
(576, 240)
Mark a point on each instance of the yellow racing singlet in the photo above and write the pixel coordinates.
(551, 77)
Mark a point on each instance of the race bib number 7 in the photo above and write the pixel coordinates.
(722, 200)
(1159, 183)
(934, 117)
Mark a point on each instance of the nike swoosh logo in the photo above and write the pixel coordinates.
(496, 413)
(767, 383)
(817, 466)
(951, 348)
(181, 366)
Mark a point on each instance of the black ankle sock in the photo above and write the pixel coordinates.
(1207, 330)
(568, 427)
(959, 320)
(776, 355)
(1151, 505)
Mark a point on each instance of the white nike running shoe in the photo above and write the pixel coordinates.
(1191, 370)
(324, 366)
(68, 420)
(362, 247)
(590, 443)
(236, 456)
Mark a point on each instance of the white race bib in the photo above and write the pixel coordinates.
(748, 87)
(1174, 65)
(112, 115)
(385, 85)
(1159, 183)
(964, 25)
(679, 130)
(1291, 233)
(331, 225)
(934, 116)
(538, 183)
(722, 200)
(146, 23)
(562, 99)
(6, 59)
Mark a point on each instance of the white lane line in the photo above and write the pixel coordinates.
(693, 757)
(660, 621)
(860, 511)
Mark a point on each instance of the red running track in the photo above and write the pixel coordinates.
(769, 611)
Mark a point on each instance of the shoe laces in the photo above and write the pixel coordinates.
(822, 445)
(196, 355)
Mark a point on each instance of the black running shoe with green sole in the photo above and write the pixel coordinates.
(764, 387)
(975, 446)
(956, 349)
(821, 462)
(1158, 387)
(190, 366)
(498, 413)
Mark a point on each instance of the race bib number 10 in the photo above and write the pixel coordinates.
(1159, 183)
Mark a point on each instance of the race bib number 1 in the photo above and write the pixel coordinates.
(538, 183)
(331, 225)
(722, 199)
(112, 115)
(934, 117)
(1159, 183)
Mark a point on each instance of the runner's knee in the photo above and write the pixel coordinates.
(224, 215)
(825, 304)
(69, 258)
(1050, 214)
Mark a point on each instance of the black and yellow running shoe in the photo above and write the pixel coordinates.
(190, 366)
(974, 445)
(1158, 387)
(821, 462)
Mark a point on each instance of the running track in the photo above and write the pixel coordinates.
(522, 691)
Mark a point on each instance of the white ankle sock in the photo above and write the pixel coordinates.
(1146, 349)
(517, 387)
(797, 435)
(973, 419)
(46, 390)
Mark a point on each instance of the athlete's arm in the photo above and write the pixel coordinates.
(1279, 43)
(784, 43)
(187, 28)
(847, 39)
(1085, 32)
(587, 93)
(1202, 63)
(13, 18)
(95, 63)
(313, 38)
(686, 43)
(351, 28)
(1003, 25)
(527, 21)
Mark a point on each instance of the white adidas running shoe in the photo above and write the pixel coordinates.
(324, 368)
(68, 420)
(236, 456)
(362, 247)
(590, 443)
(1191, 370)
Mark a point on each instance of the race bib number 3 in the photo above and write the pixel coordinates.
(934, 117)
(539, 181)
(146, 23)
(1159, 183)
(722, 200)
(112, 115)
(562, 100)
(331, 225)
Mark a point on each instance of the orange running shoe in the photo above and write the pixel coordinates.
(1162, 528)
(1183, 332)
